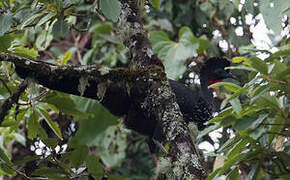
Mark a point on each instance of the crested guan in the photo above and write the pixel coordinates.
(196, 106)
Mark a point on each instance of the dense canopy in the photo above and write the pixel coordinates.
(114, 54)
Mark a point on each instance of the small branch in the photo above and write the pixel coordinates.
(13, 99)
(276, 124)
(277, 133)
(268, 78)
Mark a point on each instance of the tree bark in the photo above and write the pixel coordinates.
(113, 87)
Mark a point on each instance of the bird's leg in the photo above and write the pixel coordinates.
(152, 149)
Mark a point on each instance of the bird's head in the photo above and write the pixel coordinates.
(214, 70)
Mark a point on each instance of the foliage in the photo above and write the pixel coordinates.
(254, 117)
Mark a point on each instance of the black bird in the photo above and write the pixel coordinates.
(195, 105)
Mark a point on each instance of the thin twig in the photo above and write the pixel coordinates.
(268, 78)
(275, 124)
(277, 133)
(6, 86)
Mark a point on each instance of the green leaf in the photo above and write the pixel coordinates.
(66, 57)
(26, 52)
(228, 9)
(259, 65)
(236, 104)
(59, 5)
(92, 128)
(26, 159)
(111, 9)
(258, 121)
(79, 155)
(46, 18)
(230, 162)
(32, 125)
(6, 41)
(116, 177)
(284, 74)
(43, 40)
(60, 29)
(272, 13)
(19, 138)
(4, 158)
(51, 173)
(249, 6)
(279, 54)
(5, 164)
(50, 142)
(5, 23)
(241, 67)
(112, 147)
(238, 147)
(244, 122)
(174, 54)
(208, 130)
(155, 3)
(234, 174)
(208, 9)
(258, 92)
(258, 132)
(64, 103)
(203, 44)
(30, 20)
(53, 125)
(94, 166)
(279, 67)
(268, 101)
(243, 60)
(227, 85)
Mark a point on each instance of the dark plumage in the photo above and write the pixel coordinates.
(196, 106)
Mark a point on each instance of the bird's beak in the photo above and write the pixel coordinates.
(226, 75)
(230, 75)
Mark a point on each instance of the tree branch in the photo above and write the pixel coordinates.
(160, 102)
(13, 99)
(143, 84)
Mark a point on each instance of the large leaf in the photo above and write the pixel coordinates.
(245, 122)
(65, 104)
(155, 3)
(272, 13)
(60, 29)
(5, 164)
(227, 85)
(111, 9)
(174, 54)
(112, 146)
(259, 65)
(6, 41)
(26, 52)
(53, 125)
(51, 173)
(79, 155)
(34, 128)
(92, 128)
(30, 20)
(94, 166)
(5, 23)
(46, 18)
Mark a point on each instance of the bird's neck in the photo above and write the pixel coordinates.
(205, 91)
